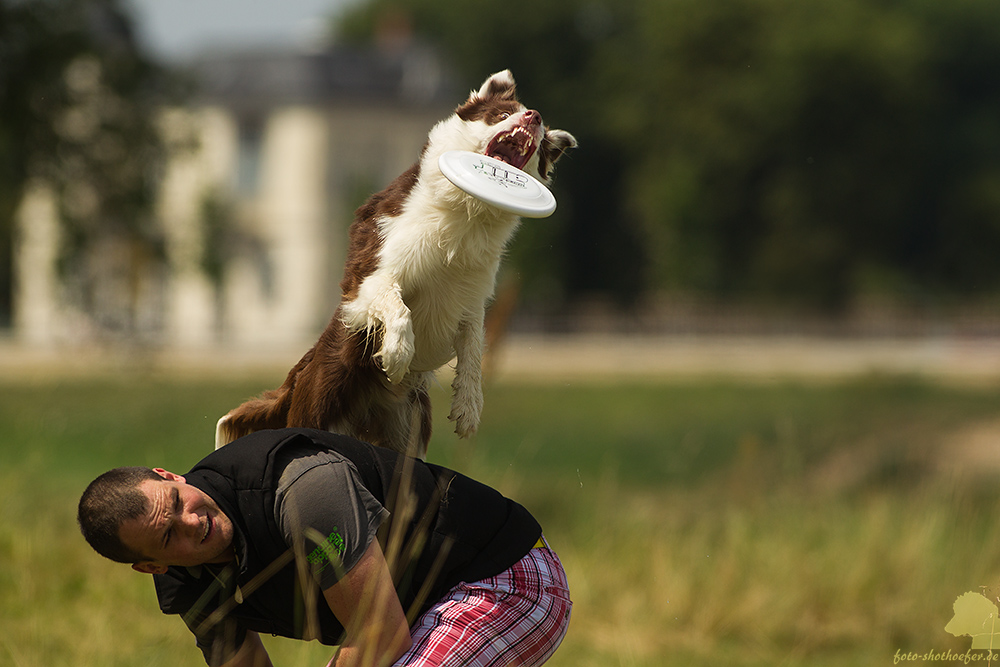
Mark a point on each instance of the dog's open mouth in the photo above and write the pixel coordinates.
(515, 147)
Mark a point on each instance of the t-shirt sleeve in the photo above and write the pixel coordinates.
(327, 515)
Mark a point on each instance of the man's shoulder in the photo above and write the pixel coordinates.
(260, 444)
(262, 455)
(299, 459)
(253, 447)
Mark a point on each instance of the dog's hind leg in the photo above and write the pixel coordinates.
(467, 400)
(421, 421)
(399, 418)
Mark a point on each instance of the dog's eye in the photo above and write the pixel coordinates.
(503, 115)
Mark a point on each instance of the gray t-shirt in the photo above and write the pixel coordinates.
(326, 514)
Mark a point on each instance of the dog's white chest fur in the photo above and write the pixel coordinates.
(436, 270)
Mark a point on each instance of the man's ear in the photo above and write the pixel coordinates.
(169, 476)
(149, 567)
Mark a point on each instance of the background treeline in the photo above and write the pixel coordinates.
(808, 152)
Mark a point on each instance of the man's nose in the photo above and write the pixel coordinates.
(192, 524)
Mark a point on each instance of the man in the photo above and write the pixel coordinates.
(307, 534)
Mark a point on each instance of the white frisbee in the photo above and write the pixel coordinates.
(497, 183)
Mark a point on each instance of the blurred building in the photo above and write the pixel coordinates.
(270, 163)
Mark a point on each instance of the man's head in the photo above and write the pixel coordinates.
(153, 519)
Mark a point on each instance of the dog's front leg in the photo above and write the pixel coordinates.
(380, 304)
(467, 400)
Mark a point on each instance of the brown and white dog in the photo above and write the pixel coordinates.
(421, 265)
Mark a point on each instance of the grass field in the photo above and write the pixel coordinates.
(701, 523)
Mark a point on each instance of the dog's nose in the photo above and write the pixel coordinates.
(532, 117)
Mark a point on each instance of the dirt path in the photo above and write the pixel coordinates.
(749, 358)
(562, 358)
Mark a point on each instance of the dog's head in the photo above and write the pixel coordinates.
(495, 123)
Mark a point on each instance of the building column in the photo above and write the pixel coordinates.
(192, 176)
(291, 220)
(37, 312)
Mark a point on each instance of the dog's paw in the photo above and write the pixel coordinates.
(397, 352)
(394, 369)
(466, 407)
(465, 425)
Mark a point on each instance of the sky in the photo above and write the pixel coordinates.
(177, 30)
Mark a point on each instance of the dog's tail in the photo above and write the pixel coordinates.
(268, 411)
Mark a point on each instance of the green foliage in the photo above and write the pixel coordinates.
(78, 111)
(754, 148)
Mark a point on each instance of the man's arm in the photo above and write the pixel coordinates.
(366, 604)
(251, 654)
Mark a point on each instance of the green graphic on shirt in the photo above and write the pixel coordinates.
(333, 544)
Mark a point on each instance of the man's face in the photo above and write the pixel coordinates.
(183, 526)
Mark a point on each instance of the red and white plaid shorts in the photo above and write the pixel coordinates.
(517, 618)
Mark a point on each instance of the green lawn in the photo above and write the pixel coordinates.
(701, 523)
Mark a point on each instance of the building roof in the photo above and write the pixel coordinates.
(260, 80)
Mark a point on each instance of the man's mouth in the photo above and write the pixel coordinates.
(514, 147)
(208, 528)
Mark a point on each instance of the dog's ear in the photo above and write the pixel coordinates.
(499, 86)
(559, 141)
(555, 143)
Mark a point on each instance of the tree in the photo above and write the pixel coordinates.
(78, 110)
(816, 151)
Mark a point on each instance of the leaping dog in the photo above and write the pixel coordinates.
(421, 265)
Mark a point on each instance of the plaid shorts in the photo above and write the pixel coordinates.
(517, 618)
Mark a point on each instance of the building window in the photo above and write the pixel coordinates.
(248, 165)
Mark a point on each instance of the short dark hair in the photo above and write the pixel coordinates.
(110, 500)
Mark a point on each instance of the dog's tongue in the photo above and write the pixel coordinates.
(514, 147)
